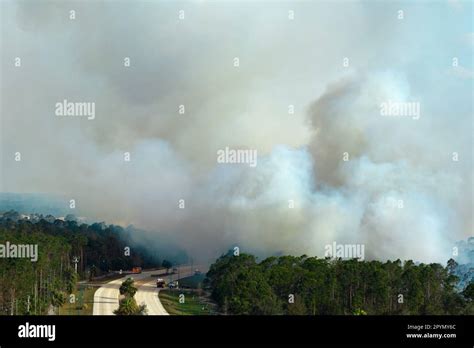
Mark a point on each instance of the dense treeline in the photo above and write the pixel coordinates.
(313, 286)
(33, 287)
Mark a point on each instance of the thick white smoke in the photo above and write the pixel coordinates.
(400, 193)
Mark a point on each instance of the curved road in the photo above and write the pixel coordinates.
(148, 293)
(106, 298)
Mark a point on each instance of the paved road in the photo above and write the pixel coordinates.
(148, 292)
(106, 298)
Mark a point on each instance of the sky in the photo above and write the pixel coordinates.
(404, 191)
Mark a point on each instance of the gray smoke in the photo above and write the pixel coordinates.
(300, 156)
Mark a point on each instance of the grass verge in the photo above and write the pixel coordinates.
(84, 302)
(193, 303)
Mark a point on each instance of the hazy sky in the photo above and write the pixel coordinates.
(282, 62)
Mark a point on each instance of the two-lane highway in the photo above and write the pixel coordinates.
(148, 293)
(106, 298)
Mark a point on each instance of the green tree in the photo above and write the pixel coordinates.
(57, 298)
(128, 306)
(92, 272)
(468, 292)
(127, 288)
(298, 307)
(240, 285)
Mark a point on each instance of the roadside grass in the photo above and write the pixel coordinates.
(84, 302)
(193, 303)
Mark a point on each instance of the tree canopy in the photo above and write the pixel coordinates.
(314, 286)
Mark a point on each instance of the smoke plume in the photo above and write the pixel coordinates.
(335, 169)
